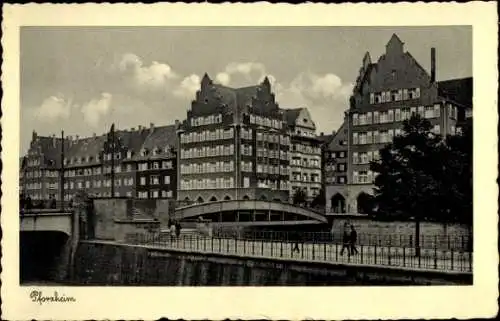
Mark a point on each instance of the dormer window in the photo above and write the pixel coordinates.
(144, 152)
(129, 154)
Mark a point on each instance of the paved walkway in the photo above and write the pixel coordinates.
(438, 260)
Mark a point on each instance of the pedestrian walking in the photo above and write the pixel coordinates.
(345, 242)
(296, 237)
(172, 232)
(177, 229)
(353, 238)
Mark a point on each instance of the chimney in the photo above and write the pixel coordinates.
(54, 140)
(151, 127)
(322, 134)
(94, 135)
(433, 65)
(133, 129)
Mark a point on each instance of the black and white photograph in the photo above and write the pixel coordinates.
(245, 156)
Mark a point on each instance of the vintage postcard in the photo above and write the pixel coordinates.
(249, 161)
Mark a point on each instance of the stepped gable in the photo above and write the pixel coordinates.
(50, 148)
(457, 90)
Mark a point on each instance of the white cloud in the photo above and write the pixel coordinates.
(53, 108)
(155, 76)
(96, 108)
(188, 87)
(249, 71)
(223, 78)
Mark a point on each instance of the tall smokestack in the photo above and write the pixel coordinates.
(433, 64)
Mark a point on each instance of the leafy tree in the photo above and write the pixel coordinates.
(319, 200)
(405, 185)
(300, 197)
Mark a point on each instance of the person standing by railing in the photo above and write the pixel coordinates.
(353, 238)
(346, 242)
(295, 237)
(172, 232)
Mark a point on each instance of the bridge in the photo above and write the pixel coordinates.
(47, 220)
(250, 212)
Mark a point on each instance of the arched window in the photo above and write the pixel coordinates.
(213, 199)
(227, 198)
(338, 203)
(263, 198)
(365, 203)
(200, 200)
(246, 198)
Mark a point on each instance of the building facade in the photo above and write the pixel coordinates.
(94, 164)
(305, 154)
(336, 172)
(233, 145)
(385, 94)
(40, 168)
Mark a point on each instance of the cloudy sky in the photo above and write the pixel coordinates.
(83, 79)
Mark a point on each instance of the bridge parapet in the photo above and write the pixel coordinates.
(196, 210)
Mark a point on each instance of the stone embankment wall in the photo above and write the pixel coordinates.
(99, 263)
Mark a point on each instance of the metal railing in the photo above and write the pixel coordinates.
(460, 242)
(444, 260)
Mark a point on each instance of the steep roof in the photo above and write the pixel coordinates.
(457, 90)
(290, 115)
(161, 137)
(50, 147)
(340, 136)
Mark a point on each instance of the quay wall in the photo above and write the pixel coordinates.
(110, 263)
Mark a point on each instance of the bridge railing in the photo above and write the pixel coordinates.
(317, 251)
(456, 242)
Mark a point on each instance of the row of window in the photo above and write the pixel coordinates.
(273, 184)
(154, 194)
(154, 180)
(33, 162)
(207, 135)
(166, 151)
(273, 138)
(336, 180)
(272, 169)
(335, 168)
(394, 95)
(203, 168)
(265, 121)
(38, 173)
(99, 183)
(207, 151)
(384, 136)
(207, 183)
(340, 154)
(155, 165)
(304, 162)
(306, 149)
(363, 177)
(397, 115)
(272, 153)
(298, 177)
(365, 157)
(208, 120)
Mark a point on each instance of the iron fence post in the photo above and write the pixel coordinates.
(404, 256)
(212, 243)
(452, 265)
(389, 251)
(262, 247)
(435, 252)
(375, 253)
(324, 251)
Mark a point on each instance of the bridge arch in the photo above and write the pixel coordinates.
(250, 212)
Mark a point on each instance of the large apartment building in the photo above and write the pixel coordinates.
(141, 163)
(234, 144)
(305, 154)
(386, 93)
